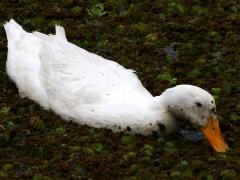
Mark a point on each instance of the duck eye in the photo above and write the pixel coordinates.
(199, 104)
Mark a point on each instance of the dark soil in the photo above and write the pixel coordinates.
(167, 43)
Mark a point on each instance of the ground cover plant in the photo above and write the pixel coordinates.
(167, 43)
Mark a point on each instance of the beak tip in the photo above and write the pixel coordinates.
(222, 150)
(213, 133)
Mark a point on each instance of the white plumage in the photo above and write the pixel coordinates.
(88, 89)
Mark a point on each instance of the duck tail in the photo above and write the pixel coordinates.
(13, 30)
(60, 32)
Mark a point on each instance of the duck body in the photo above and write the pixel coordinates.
(79, 85)
(88, 89)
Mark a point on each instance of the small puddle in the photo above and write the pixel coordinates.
(169, 50)
(192, 135)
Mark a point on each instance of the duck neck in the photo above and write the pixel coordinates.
(168, 118)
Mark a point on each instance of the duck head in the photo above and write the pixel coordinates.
(197, 106)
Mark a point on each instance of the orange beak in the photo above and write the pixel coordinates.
(213, 134)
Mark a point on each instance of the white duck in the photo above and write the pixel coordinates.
(88, 89)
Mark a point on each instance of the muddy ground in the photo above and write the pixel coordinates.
(167, 43)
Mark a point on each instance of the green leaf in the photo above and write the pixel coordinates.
(199, 10)
(4, 110)
(235, 117)
(60, 130)
(164, 77)
(173, 81)
(37, 123)
(7, 167)
(195, 73)
(228, 174)
(128, 139)
(10, 125)
(88, 151)
(96, 10)
(216, 91)
(129, 156)
(98, 147)
(174, 173)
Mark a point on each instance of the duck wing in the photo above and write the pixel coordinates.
(75, 83)
(78, 77)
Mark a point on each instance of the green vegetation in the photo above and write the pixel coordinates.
(97, 10)
(167, 43)
(4, 110)
(167, 78)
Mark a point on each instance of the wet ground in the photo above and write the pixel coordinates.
(167, 43)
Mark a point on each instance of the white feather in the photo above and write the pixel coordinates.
(81, 86)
